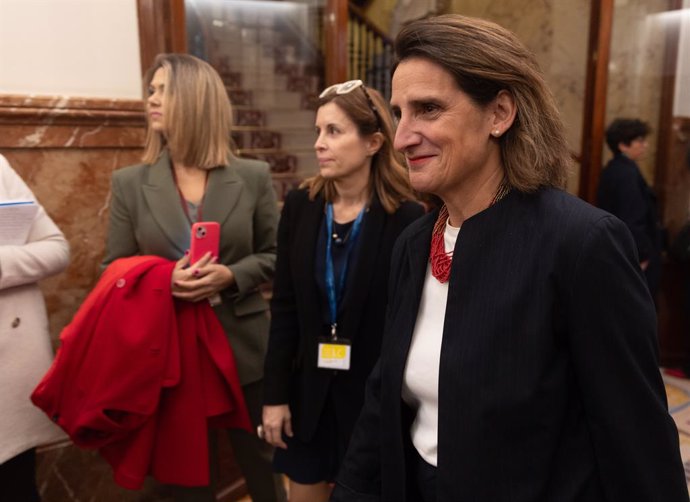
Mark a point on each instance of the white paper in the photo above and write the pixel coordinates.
(16, 218)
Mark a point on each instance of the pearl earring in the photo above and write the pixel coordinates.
(497, 133)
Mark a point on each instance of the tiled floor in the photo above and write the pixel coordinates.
(678, 393)
(287, 489)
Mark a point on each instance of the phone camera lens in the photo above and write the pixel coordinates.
(201, 232)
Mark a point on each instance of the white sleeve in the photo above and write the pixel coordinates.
(46, 251)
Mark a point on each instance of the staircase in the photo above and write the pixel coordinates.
(272, 75)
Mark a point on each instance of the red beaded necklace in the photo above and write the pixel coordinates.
(439, 258)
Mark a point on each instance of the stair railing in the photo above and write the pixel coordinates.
(355, 48)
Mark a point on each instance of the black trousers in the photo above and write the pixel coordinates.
(18, 478)
(425, 475)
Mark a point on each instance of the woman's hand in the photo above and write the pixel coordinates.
(276, 419)
(202, 280)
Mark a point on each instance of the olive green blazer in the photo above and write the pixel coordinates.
(147, 218)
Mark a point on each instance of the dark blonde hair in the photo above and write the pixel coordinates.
(198, 115)
(485, 58)
(388, 179)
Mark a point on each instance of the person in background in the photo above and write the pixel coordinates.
(519, 358)
(25, 349)
(624, 193)
(188, 174)
(329, 295)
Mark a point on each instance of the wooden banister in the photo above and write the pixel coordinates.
(355, 47)
(335, 51)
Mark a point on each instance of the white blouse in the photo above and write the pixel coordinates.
(420, 381)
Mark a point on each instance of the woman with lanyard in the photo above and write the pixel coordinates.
(334, 244)
(189, 174)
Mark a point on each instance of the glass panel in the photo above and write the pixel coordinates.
(676, 187)
(645, 37)
(269, 55)
(636, 65)
(649, 79)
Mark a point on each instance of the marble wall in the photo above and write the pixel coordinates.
(66, 149)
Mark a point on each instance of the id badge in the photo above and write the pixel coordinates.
(334, 354)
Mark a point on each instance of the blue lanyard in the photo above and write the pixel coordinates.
(334, 290)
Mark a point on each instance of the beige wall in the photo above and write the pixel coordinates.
(85, 48)
(556, 32)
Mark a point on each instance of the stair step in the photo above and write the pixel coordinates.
(280, 162)
(279, 99)
(259, 151)
(249, 117)
(240, 97)
(295, 69)
(260, 138)
(304, 83)
(298, 138)
(231, 79)
(289, 119)
(302, 163)
(268, 82)
(282, 185)
(290, 138)
(307, 165)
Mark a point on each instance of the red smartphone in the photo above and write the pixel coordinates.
(205, 238)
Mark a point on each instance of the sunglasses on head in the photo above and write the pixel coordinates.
(349, 86)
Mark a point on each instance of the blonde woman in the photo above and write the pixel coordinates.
(188, 174)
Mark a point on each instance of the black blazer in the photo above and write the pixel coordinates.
(290, 372)
(624, 193)
(549, 388)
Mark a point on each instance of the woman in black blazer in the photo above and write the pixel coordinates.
(519, 358)
(334, 243)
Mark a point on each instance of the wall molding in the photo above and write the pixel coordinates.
(59, 110)
(28, 121)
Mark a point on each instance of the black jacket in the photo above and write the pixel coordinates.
(291, 375)
(549, 388)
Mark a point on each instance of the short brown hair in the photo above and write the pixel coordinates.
(198, 114)
(625, 131)
(389, 179)
(485, 58)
